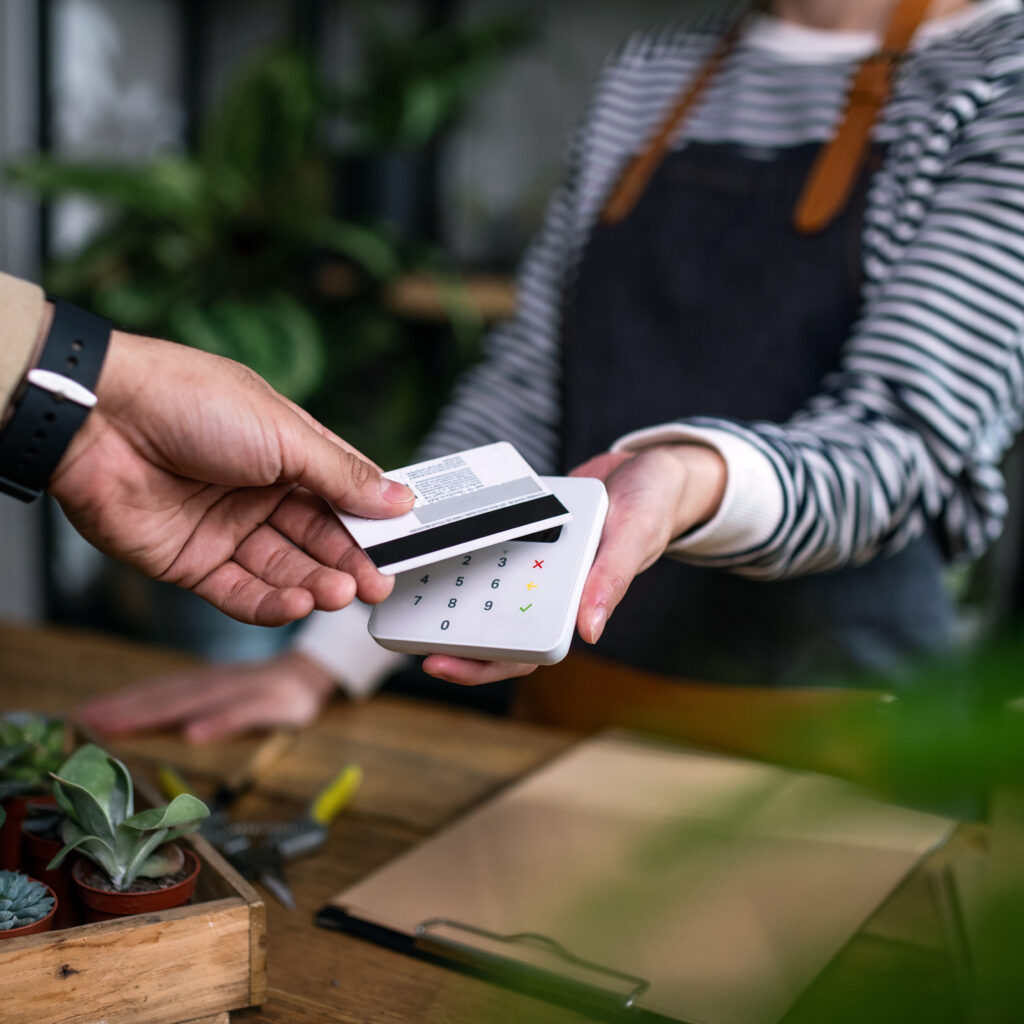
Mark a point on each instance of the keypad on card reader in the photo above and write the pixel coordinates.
(515, 601)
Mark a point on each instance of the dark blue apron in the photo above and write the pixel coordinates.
(706, 301)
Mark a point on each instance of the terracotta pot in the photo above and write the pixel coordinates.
(10, 832)
(104, 904)
(36, 853)
(44, 924)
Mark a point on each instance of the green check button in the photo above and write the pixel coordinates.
(527, 608)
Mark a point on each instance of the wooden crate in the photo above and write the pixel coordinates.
(189, 964)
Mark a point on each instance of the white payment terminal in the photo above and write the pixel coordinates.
(512, 601)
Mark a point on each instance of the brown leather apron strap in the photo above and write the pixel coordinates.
(641, 168)
(839, 162)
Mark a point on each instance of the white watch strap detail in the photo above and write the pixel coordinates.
(57, 384)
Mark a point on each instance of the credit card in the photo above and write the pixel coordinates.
(464, 501)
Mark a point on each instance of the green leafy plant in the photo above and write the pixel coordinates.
(31, 746)
(23, 900)
(951, 740)
(95, 792)
(948, 739)
(237, 250)
(414, 85)
(218, 250)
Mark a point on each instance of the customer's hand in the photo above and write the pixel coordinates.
(654, 496)
(216, 701)
(194, 470)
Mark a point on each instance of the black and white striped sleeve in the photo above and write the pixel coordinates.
(513, 394)
(909, 429)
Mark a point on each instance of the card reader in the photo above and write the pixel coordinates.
(513, 601)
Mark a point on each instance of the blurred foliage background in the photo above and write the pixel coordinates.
(948, 739)
(228, 249)
(280, 238)
(414, 86)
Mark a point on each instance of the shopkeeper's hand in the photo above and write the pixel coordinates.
(194, 470)
(654, 496)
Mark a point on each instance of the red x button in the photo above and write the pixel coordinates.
(539, 565)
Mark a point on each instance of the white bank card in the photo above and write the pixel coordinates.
(464, 501)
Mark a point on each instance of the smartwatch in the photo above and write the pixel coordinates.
(53, 402)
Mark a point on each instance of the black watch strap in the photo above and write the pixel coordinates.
(57, 397)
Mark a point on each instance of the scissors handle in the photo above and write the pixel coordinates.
(336, 795)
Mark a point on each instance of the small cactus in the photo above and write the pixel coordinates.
(22, 900)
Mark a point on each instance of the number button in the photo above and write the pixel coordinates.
(502, 562)
(452, 603)
(459, 580)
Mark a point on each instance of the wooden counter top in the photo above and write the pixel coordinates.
(423, 766)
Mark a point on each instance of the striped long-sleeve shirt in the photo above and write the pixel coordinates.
(909, 429)
(911, 425)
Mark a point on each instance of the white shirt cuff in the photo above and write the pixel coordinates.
(340, 643)
(752, 505)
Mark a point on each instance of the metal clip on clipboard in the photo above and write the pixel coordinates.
(532, 963)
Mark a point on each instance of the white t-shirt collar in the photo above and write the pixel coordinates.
(802, 44)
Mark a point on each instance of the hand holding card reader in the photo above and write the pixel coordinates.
(512, 601)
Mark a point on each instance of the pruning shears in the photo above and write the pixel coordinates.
(279, 841)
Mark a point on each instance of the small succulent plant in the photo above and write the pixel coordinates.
(95, 792)
(23, 900)
(31, 746)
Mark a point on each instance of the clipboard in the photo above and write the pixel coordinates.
(636, 879)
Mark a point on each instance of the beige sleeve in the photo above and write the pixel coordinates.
(21, 314)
